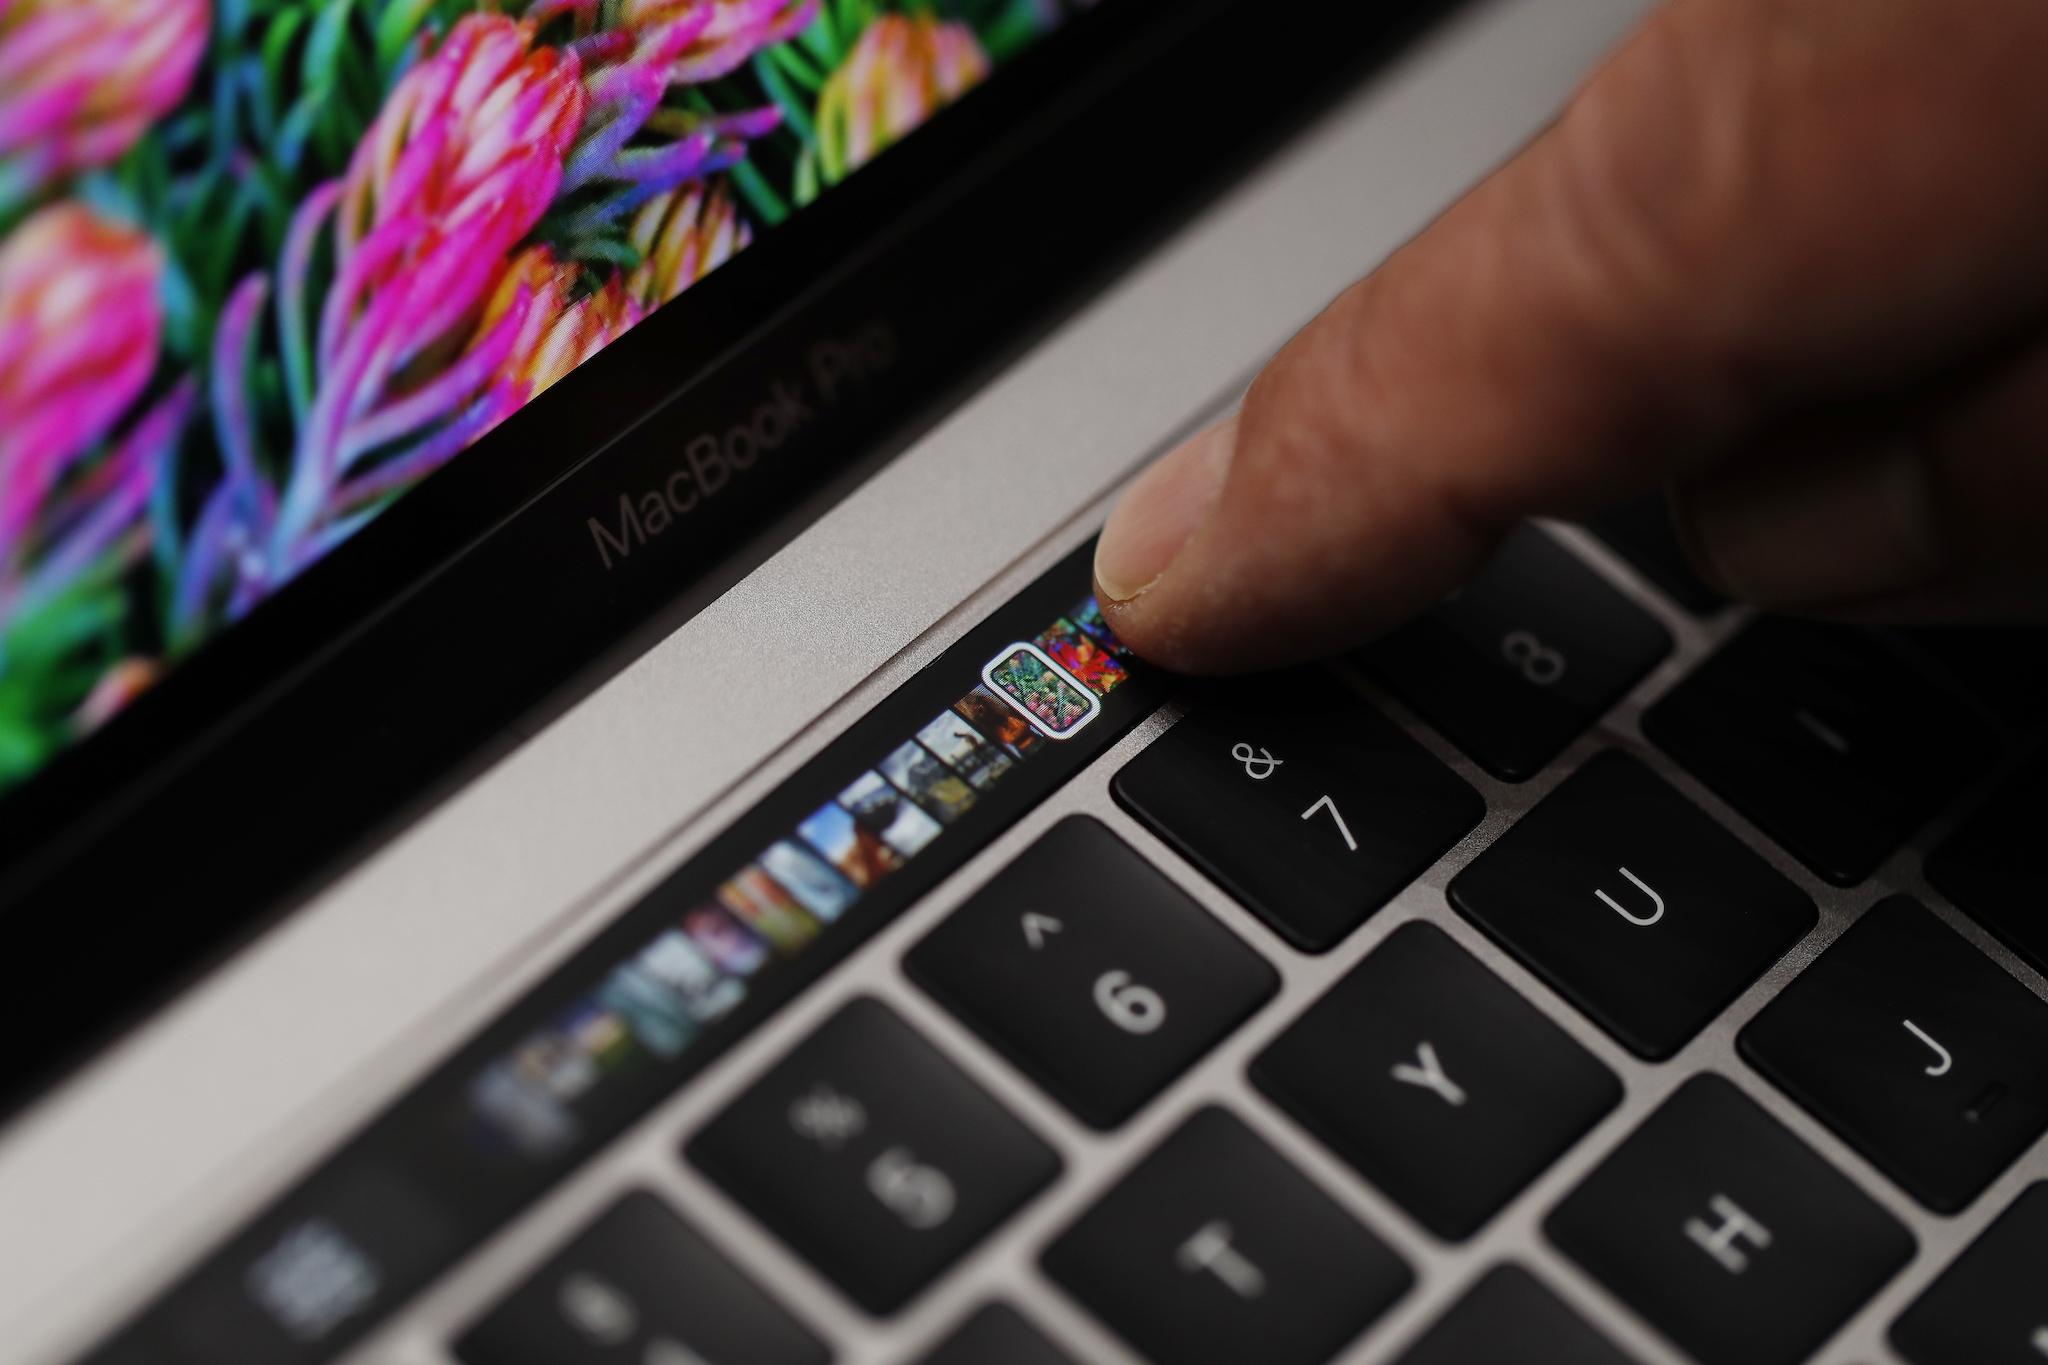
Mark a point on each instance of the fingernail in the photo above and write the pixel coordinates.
(1160, 511)
(1822, 531)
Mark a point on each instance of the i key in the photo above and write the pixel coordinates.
(873, 1155)
(1216, 1249)
(1829, 741)
(1991, 1306)
(1300, 800)
(1736, 1240)
(1442, 1086)
(640, 1284)
(1916, 1048)
(1091, 971)
(1635, 906)
(1528, 654)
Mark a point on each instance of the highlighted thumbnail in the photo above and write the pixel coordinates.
(1055, 703)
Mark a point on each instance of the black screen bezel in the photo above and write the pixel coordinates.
(285, 747)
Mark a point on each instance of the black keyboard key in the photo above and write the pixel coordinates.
(1823, 736)
(1510, 1316)
(2003, 668)
(1914, 1047)
(1091, 971)
(638, 1284)
(1216, 1249)
(1442, 1086)
(1991, 1306)
(997, 1334)
(873, 1156)
(1642, 533)
(1732, 1237)
(1300, 800)
(1527, 656)
(1993, 869)
(1636, 907)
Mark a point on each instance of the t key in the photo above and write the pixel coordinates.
(1733, 1238)
(1216, 1249)
(1091, 971)
(1300, 800)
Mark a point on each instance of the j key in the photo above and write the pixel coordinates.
(638, 1284)
(1300, 800)
(1216, 1249)
(1524, 659)
(1635, 906)
(1510, 1316)
(1091, 971)
(997, 1334)
(1914, 1047)
(1731, 1236)
(873, 1156)
(1991, 1306)
(1642, 533)
(1992, 867)
(1825, 738)
(1441, 1085)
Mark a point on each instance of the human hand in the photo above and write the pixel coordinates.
(1787, 257)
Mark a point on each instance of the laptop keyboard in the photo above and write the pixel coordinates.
(1131, 1092)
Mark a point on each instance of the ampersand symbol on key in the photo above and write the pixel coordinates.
(1257, 766)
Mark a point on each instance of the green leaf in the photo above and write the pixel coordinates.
(806, 187)
(1011, 32)
(324, 45)
(768, 206)
(296, 130)
(821, 39)
(277, 53)
(798, 67)
(796, 110)
(852, 19)
(395, 29)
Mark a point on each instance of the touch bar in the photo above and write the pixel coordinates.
(912, 790)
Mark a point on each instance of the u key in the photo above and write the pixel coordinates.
(1640, 921)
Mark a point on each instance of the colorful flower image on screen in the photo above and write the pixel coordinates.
(266, 264)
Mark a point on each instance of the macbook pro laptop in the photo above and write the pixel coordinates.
(564, 797)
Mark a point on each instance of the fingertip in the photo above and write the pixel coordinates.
(1160, 512)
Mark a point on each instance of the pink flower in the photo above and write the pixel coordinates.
(730, 32)
(465, 157)
(901, 70)
(81, 80)
(682, 236)
(555, 334)
(79, 327)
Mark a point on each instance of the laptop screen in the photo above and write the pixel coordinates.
(265, 267)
